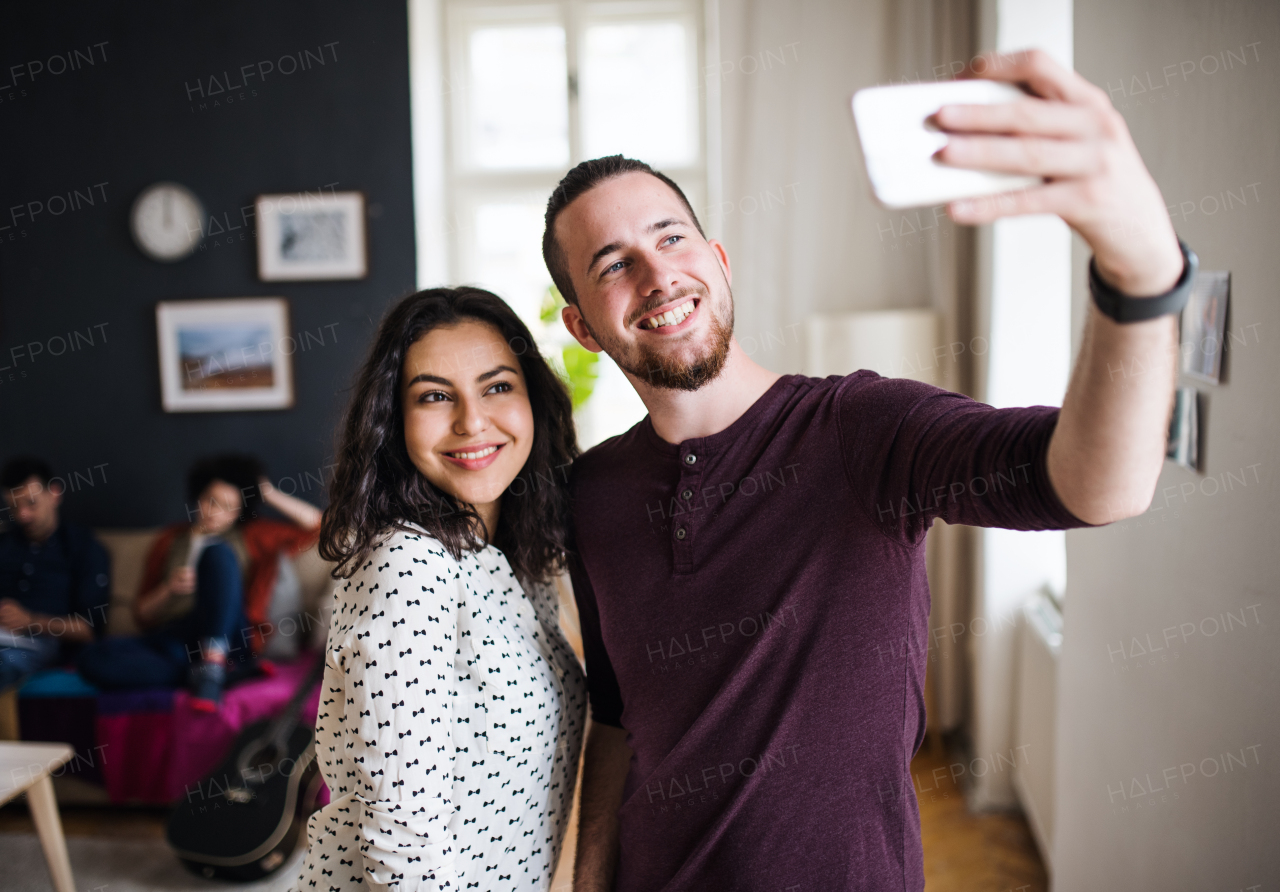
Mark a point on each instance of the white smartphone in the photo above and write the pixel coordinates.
(899, 146)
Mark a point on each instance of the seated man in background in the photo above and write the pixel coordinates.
(54, 576)
(207, 586)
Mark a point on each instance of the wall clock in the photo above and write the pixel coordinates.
(167, 222)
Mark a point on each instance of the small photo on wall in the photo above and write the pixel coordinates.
(1183, 446)
(311, 236)
(1204, 325)
(225, 355)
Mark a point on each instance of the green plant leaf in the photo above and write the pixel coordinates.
(551, 304)
(580, 365)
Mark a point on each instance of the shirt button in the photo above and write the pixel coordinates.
(690, 458)
(687, 494)
(24, 586)
(680, 533)
(28, 570)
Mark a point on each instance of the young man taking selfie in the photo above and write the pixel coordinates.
(750, 557)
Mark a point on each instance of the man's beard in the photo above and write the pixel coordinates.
(656, 370)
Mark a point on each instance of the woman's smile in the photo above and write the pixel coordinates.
(475, 458)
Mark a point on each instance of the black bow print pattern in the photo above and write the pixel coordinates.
(404, 805)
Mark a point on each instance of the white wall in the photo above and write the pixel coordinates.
(1146, 798)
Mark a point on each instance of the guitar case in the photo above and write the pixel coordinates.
(244, 819)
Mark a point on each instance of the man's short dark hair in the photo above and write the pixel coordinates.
(583, 178)
(21, 468)
(241, 471)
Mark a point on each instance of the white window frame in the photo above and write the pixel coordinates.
(467, 187)
(446, 195)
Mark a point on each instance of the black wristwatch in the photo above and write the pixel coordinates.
(1123, 308)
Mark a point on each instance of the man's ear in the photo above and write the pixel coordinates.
(723, 257)
(572, 318)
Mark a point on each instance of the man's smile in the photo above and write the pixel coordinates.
(672, 317)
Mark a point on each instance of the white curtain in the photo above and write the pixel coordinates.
(932, 39)
(795, 212)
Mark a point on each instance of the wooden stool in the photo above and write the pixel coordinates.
(25, 767)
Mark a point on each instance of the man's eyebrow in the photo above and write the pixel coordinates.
(614, 246)
(663, 224)
(606, 250)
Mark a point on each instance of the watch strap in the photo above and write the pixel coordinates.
(1124, 308)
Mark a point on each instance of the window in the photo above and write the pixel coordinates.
(531, 89)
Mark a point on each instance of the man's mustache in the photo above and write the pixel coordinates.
(688, 291)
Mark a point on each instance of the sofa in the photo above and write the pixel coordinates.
(148, 747)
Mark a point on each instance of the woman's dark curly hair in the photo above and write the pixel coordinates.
(376, 488)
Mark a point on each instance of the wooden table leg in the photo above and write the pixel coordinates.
(44, 811)
(9, 714)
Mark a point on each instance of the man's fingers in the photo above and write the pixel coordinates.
(1021, 155)
(1048, 199)
(1039, 72)
(1030, 117)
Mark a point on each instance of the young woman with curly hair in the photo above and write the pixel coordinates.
(452, 708)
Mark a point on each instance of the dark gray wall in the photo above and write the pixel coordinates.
(125, 121)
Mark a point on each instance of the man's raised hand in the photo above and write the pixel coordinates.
(1067, 132)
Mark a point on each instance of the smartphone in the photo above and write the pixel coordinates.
(898, 145)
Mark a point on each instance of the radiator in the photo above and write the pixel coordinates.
(1035, 708)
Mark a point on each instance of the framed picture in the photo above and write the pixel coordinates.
(1204, 325)
(225, 355)
(309, 236)
(1183, 446)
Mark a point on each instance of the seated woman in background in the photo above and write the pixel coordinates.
(207, 586)
(452, 708)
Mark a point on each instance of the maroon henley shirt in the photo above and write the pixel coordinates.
(755, 614)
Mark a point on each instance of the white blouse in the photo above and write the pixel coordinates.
(450, 722)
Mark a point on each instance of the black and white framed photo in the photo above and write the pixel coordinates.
(1204, 325)
(310, 236)
(225, 355)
